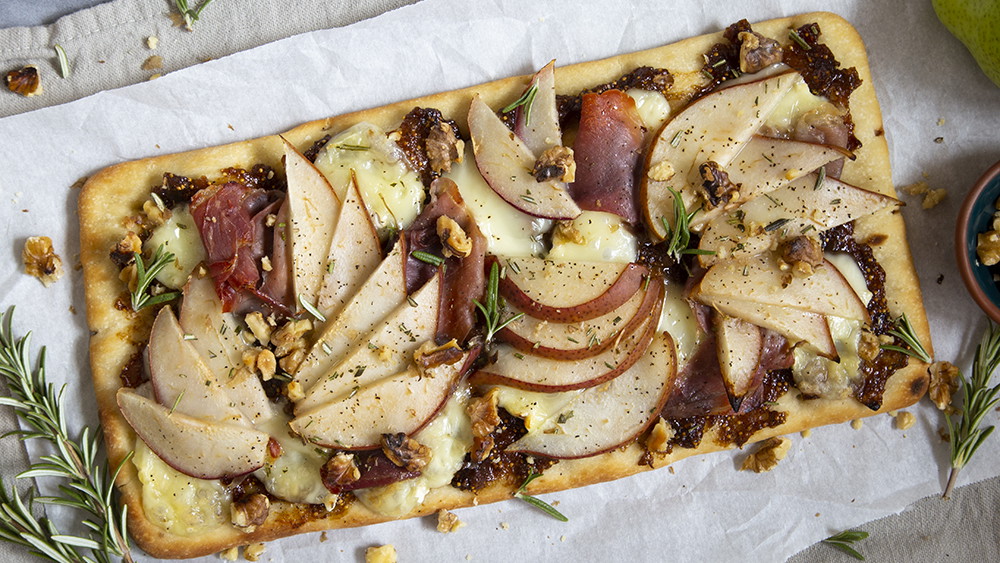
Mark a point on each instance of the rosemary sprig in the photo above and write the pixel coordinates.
(90, 486)
(527, 99)
(978, 400)
(537, 502)
(189, 14)
(679, 237)
(145, 276)
(903, 330)
(843, 541)
(492, 310)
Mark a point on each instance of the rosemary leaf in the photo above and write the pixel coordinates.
(537, 502)
(903, 330)
(146, 274)
(527, 99)
(843, 541)
(311, 309)
(427, 257)
(63, 60)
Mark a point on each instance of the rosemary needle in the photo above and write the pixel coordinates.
(492, 309)
(537, 502)
(145, 274)
(844, 540)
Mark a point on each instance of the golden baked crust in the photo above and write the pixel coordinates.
(118, 191)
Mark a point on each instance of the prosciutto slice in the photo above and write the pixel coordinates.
(606, 151)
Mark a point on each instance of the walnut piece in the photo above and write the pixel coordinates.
(231, 554)
(869, 346)
(266, 364)
(448, 522)
(290, 344)
(757, 52)
(253, 552)
(661, 171)
(258, 326)
(405, 452)
(944, 382)
(566, 232)
(767, 455)
(340, 470)
(905, 420)
(659, 438)
(556, 163)
(381, 554)
(485, 418)
(154, 62)
(41, 261)
(443, 147)
(719, 189)
(250, 512)
(453, 238)
(25, 81)
(802, 253)
(933, 198)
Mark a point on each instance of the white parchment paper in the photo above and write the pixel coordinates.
(837, 478)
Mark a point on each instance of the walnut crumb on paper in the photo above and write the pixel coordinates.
(857, 423)
(25, 81)
(504, 525)
(448, 521)
(323, 537)
(767, 455)
(381, 554)
(41, 261)
(152, 42)
(154, 62)
(932, 197)
(231, 554)
(944, 382)
(254, 551)
(905, 420)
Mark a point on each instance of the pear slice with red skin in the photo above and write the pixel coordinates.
(216, 336)
(506, 164)
(535, 373)
(714, 128)
(575, 341)
(355, 252)
(206, 450)
(795, 325)
(803, 206)
(542, 131)
(313, 207)
(386, 350)
(602, 418)
(759, 280)
(766, 164)
(378, 296)
(739, 346)
(404, 402)
(179, 377)
(567, 292)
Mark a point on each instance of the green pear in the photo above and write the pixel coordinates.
(976, 23)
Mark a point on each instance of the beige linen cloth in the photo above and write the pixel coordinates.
(109, 46)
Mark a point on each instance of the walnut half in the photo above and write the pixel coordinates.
(405, 452)
(250, 512)
(41, 261)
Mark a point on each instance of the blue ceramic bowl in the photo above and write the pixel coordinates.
(976, 216)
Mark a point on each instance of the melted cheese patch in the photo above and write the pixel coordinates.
(596, 236)
(796, 102)
(823, 377)
(179, 504)
(449, 437)
(508, 231)
(678, 319)
(536, 409)
(179, 235)
(391, 191)
(295, 476)
(652, 106)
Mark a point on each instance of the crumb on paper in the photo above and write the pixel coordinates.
(154, 62)
(905, 420)
(857, 423)
(554, 503)
(253, 552)
(944, 382)
(562, 538)
(25, 81)
(939, 140)
(41, 261)
(231, 554)
(72, 310)
(940, 121)
(152, 42)
(916, 188)
(504, 525)
(940, 279)
(154, 77)
(468, 557)
(670, 468)
(448, 521)
(323, 537)
(381, 554)
(806, 433)
(933, 198)
(767, 455)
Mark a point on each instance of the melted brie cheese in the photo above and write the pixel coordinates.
(179, 504)
(678, 319)
(796, 102)
(536, 409)
(449, 437)
(596, 237)
(295, 475)
(508, 231)
(823, 377)
(653, 108)
(179, 235)
(391, 191)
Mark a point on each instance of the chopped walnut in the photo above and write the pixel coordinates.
(916, 188)
(253, 551)
(453, 239)
(443, 147)
(661, 171)
(448, 522)
(430, 356)
(130, 277)
(857, 424)
(556, 163)
(289, 337)
(124, 252)
(757, 52)
(380, 554)
(405, 452)
(156, 213)
(340, 470)
(905, 420)
(294, 391)
(944, 382)
(869, 346)
(719, 189)
(266, 364)
(803, 254)
(767, 455)
(566, 232)
(231, 554)
(933, 198)
(250, 512)
(659, 438)
(258, 326)
(154, 62)
(41, 261)
(485, 418)
(25, 81)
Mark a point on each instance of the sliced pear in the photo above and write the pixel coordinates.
(382, 292)
(569, 291)
(313, 207)
(803, 206)
(217, 336)
(507, 163)
(542, 131)
(181, 380)
(759, 280)
(206, 450)
(355, 252)
(388, 349)
(404, 402)
(739, 345)
(713, 128)
(604, 417)
(795, 325)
